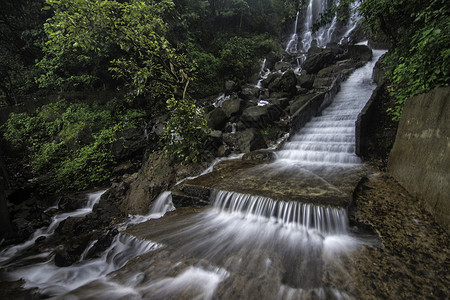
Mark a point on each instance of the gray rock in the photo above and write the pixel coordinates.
(282, 66)
(359, 53)
(127, 143)
(299, 102)
(231, 106)
(306, 81)
(249, 92)
(286, 83)
(250, 140)
(216, 118)
(317, 60)
(260, 116)
(230, 87)
(272, 76)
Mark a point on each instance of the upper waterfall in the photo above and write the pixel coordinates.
(334, 31)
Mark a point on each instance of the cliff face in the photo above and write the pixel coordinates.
(420, 158)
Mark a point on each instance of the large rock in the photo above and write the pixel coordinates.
(249, 92)
(420, 158)
(299, 102)
(359, 52)
(286, 83)
(306, 80)
(317, 60)
(282, 66)
(158, 174)
(272, 76)
(231, 106)
(250, 140)
(231, 87)
(271, 59)
(260, 116)
(216, 118)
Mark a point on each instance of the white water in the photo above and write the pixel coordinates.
(239, 235)
(324, 34)
(293, 41)
(329, 139)
(53, 281)
(10, 252)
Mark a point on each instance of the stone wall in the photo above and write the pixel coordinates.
(420, 158)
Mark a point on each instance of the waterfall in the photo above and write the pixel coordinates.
(326, 33)
(293, 41)
(93, 198)
(295, 215)
(54, 281)
(329, 139)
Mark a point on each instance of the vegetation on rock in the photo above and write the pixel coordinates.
(69, 144)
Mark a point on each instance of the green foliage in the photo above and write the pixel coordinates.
(239, 55)
(186, 133)
(71, 142)
(21, 34)
(419, 30)
(125, 37)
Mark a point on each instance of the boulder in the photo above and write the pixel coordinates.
(66, 203)
(286, 83)
(359, 53)
(250, 140)
(317, 60)
(230, 87)
(420, 158)
(282, 66)
(271, 59)
(299, 101)
(260, 116)
(127, 143)
(323, 83)
(249, 92)
(216, 118)
(231, 106)
(255, 116)
(280, 102)
(306, 81)
(272, 76)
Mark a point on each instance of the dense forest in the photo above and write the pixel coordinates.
(133, 61)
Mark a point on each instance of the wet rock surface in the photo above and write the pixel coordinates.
(293, 183)
(412, 260)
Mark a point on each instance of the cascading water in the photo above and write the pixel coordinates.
(326, 33)
(10, 252)
(293, 41)
(329, 139)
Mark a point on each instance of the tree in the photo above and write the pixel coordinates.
(130, 36)
(20, 36)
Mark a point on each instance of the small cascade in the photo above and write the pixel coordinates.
(162, 204)
(293, 41)
(329, 139)
(220, 99)
(54, 281)
(263, 73)
(10, 252)
(294, 215)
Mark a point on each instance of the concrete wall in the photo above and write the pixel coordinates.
(420, 158)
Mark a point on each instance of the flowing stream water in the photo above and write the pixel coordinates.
(242, 246)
